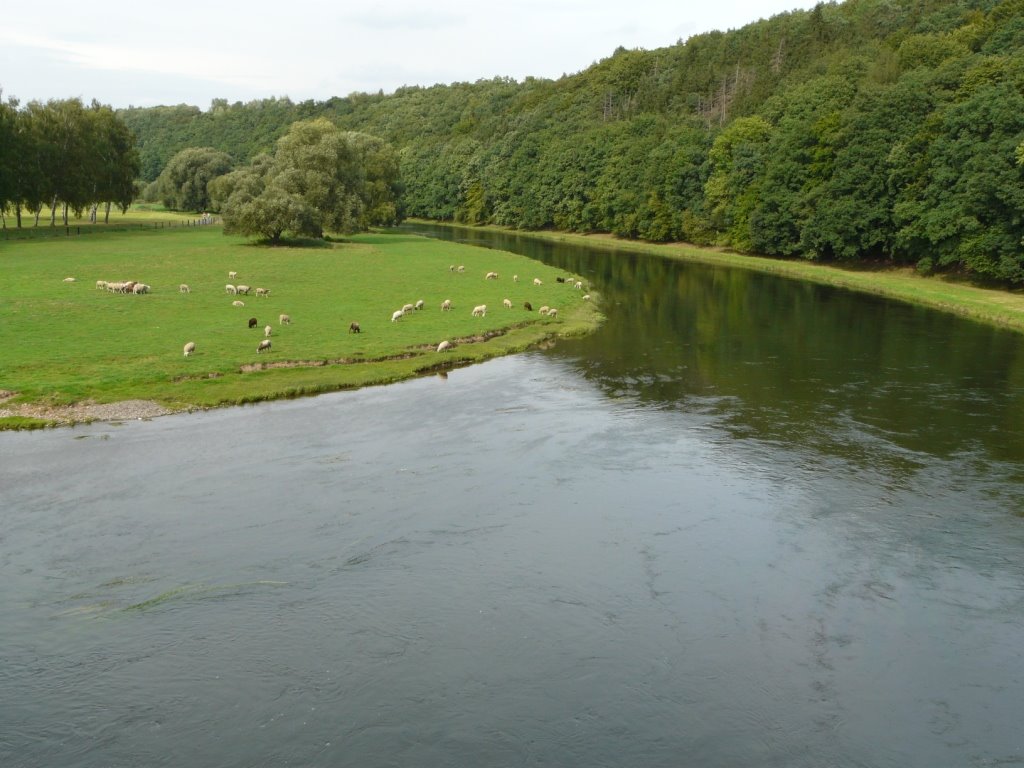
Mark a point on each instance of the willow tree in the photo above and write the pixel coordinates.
(319, 179)
(182, 185)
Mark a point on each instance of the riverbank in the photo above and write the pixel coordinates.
(993, 306)
(73, 352)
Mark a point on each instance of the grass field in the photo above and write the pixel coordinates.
(67, 342)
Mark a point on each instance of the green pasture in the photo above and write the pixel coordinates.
(67, 342)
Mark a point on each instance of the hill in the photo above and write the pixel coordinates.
(871, 130)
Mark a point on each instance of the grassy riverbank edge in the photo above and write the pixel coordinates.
(1003, 308)
(315, 379)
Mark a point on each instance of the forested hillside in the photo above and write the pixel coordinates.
(866, 130)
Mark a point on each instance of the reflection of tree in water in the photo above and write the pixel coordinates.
(864, 379)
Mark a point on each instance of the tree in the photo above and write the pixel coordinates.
(115, 161)
(182, 185)
(737, 159)
(319, 179)
(9, 140)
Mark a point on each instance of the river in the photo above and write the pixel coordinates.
(749, 522)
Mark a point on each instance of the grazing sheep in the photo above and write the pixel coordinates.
(190, 348)
(544, 310)
(101, 284)
(451, 268)
(253, 322)
(528, 306)
(265, 292)
(537, 281)
(444, 346)
(237, 303)
(243, 289)
(183, 288)
(407, 309)
(586, 297)
(419, 304)
(480, 311)
(229, 288)
(446, 305)
(578, 285)
(128, 287)
(507, 303)
(552, 312)
(515, 278)
(267, 331)
(460, 268)
(263, 346)
(69, 279)
(232, 275)
(140, 288)
(354, 328)
(284, 320)
(491, 276)
(396, 315)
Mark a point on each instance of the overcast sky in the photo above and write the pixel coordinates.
(145, 54)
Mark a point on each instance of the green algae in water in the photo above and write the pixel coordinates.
(201, 591)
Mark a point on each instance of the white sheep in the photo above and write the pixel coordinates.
(446, 305)
(507, 303)
(544, 310)
(537, 281)
(101, 284)
(460, 268)
(407, 309)
(451, 268)
(586, 297)
(578, 285)
(140, 288)
(491, 276)
(183, 288)
(243, 289)
(552, 312)
(267, 330)
(229, 288)
(515, 278)
(265, 292)
(69, 279)
(419, 304)
(396, 315)
(284, 320)
(263, 346)
(480, 311)
(232, 275)
(237, 303)
(190, 348)
(444, 346)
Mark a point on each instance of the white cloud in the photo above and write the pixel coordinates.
(194, 52)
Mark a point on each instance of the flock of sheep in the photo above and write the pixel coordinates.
(123, 286)
(480, 310)
(265, 344)
(136, 288)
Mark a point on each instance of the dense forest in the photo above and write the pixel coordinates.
(876, 130)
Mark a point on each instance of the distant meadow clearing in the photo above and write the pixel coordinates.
(71, 342)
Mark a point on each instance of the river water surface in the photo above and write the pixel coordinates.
(749, 522)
